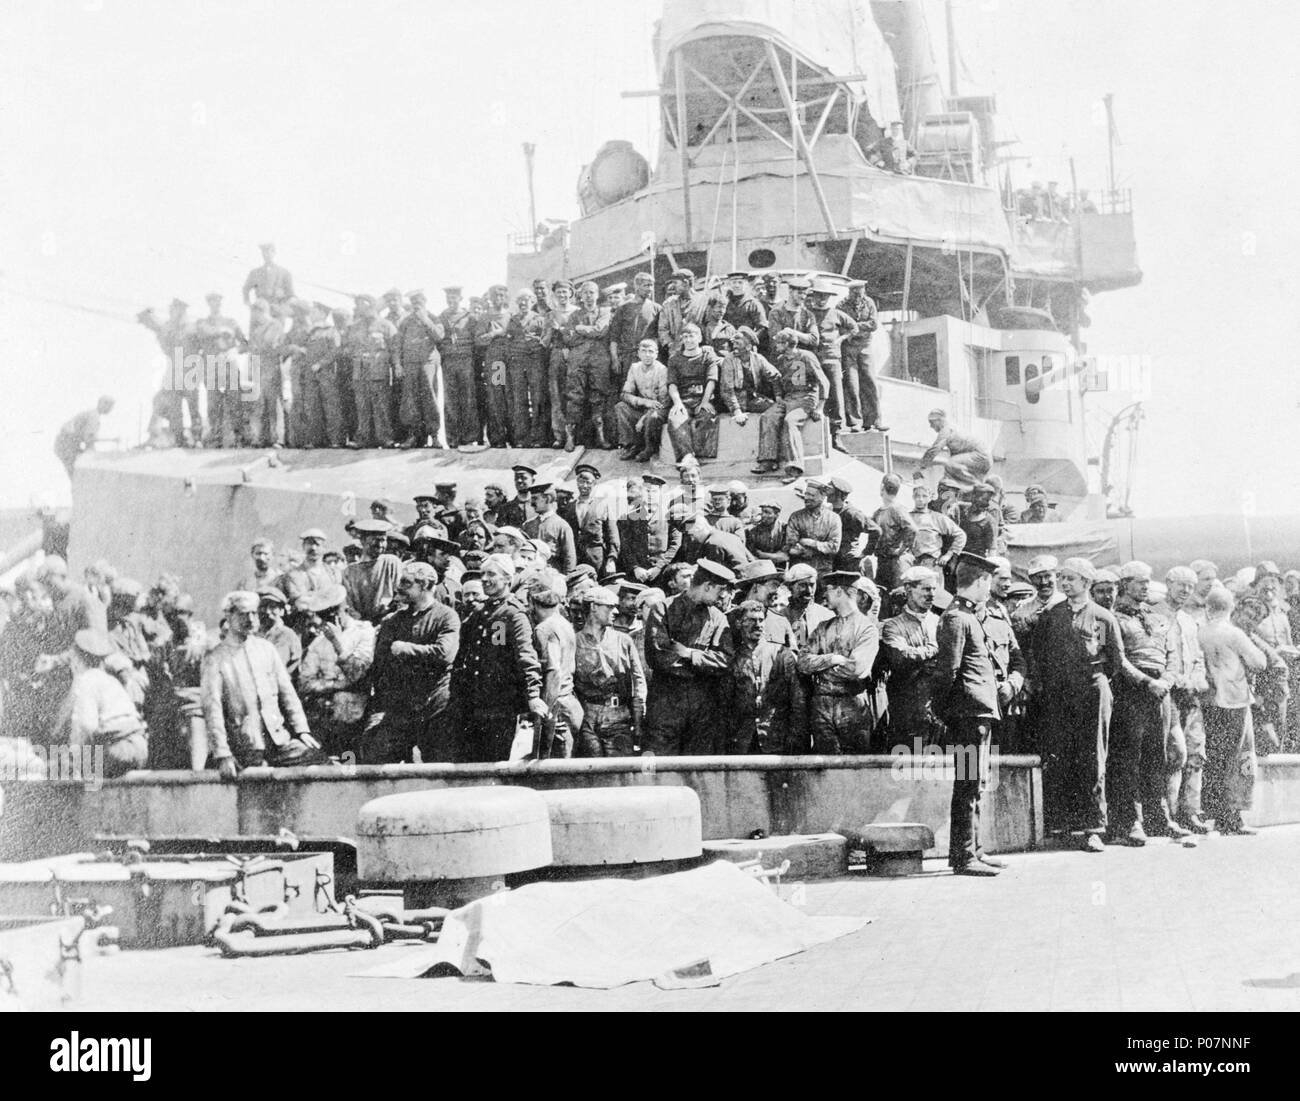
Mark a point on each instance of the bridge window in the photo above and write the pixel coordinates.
(1032, 391)
(1013, 370)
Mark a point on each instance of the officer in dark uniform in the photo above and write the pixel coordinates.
(497, 676)
(689, 648)
(966, 698)
(596, 530)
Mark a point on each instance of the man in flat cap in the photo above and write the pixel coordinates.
(800, 396)
(586, 335)
(609, 681)
(765, 537)
(718, 511)
(100, 710)
(858, 531)
(647, 542)
(966, 699)
(555, 642)
(683, 306)
(1190, 685)
(266, 340)
(456, 350)
(813, 534)
(595, 527)
(838, 659)
(562, 310)
(268, 282)
(635, 321)
(689, 647)
(419, 335)
(1145, 758)
(411, 675)
(333, 678)
(252, 712)
(546, 525)
(746, 380)
(1037, 510)
(272, 606)
(861, 392)
(803, 612)
(491, 341)
(833, 327)
(968, 459)
(372, 583)
(1074, 654)
(497, 677)
(371, 342)
(310, 574)
(910, 646)
(528, 337)
(321, 395)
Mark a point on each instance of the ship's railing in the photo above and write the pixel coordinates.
(1119, 201)
(521, 242)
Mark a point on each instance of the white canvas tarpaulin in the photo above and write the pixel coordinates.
(839, 36)
(707, 923)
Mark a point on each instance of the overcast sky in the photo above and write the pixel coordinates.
(149, 145)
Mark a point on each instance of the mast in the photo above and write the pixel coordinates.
(952, 49)
(1109, 100)
(529, 150)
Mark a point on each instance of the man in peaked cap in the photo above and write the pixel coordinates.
(1042, 575)
(609, 681)
(372, 583)
(966, 699)
(688, 645)
(595, 526)
(910, 645)
(517, 511)
(814, 533)
(858, 531)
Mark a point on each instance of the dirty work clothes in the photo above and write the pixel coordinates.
(611, 686)
(840, 719)
(799, 392)
(861, 393)
(323, 409)
(457, 351)
(763, 704)
(557, 379)
(833, 328)
(693, 375)
(682, 712)
(586, 334)
(370, 345)
(526, 391)
(968, 459)
(910, 650)
(418, 337)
